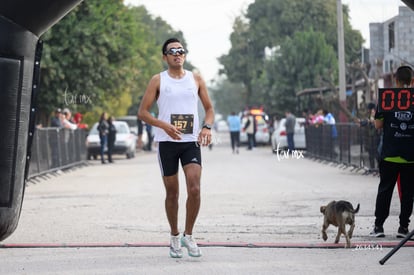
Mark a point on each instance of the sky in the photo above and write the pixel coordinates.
(207, 25)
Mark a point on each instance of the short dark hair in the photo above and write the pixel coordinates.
(371, 106)
(404, 75)
(169, 41)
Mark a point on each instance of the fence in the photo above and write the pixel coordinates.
(56, 149)
(353, 145)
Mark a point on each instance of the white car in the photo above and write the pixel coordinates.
(262, 131)
(133, 126)
(279, 139)
(221, 126)
(125, 142)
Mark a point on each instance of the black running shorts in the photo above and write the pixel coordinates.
(169, 153)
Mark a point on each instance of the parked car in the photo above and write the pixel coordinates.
(133, 126)
(221, 126)
(262, 130)
(279, 135)
(125, 143)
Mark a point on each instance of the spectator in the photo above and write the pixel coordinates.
(234, 126)
(290, 130)
(275, 123)
(329, 119)
(249, 129)
(140, 127)
(56, 120)
(77, 119)
(371, 136)
(148, 129)
(308, 117)
(318, 118)
(67, 120)
(111, 137)
(69, 125)
(103, 129)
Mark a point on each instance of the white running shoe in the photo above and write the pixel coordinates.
(188, 242)
(175, 247)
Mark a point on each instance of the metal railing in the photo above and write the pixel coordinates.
(354, 145)
(56, 149)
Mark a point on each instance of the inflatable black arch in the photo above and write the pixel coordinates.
(409, 3)
(22, 22)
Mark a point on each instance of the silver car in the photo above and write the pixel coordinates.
(125, 142)
(133, 126)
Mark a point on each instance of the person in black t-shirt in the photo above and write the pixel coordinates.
(111, 137)
(103, 134)
(396, 159)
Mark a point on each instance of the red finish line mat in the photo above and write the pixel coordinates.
(360, 245)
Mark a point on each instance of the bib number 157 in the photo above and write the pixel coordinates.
(184, 122)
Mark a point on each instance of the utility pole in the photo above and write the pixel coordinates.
(341, 60)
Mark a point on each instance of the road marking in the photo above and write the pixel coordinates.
(388, 244)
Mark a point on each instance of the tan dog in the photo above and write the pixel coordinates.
(339, 213)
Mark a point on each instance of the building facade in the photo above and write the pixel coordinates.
(391, 44)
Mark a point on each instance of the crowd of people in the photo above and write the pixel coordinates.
(63, 119)
(322, 116)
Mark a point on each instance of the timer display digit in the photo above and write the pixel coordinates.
(396, 99)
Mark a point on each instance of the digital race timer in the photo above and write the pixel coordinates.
(396, 99)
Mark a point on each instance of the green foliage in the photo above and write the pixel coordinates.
(223, 96)
(301, 63)
(275, 50)
(100, 57)
(85, 56)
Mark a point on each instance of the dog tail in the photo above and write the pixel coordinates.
(356, 209)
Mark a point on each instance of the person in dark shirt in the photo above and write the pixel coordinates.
(290, 130)
(111, 137)
(56, 120)
(396, 159)
(103, 134)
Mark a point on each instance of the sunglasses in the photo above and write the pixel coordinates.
(175, 51)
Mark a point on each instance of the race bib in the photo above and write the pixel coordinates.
(184, 122)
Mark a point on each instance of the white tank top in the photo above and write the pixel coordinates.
(177, 97)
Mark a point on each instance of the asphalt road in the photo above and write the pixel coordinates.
(259, 215)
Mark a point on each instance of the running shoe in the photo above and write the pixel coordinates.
(377, 232)
(188, 242)
(175, 247)
(402, 232)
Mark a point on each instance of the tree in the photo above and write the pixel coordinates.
(87, 56)
(100, 57)
(243, 62)
(270, 25)
(223, 96)
(300, 63)
(156, 32)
